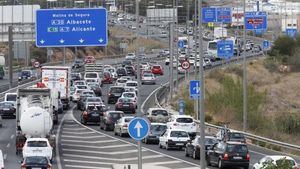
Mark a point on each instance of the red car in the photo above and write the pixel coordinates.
(157, 70)
(107, 78)
(89, 59)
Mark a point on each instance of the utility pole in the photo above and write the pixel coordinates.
(196, 32)
(201, 99)
(245, 114)
(171, 58)
(139, 114)
(10, 55)
(176, 46)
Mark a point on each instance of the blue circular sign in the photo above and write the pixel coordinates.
(181, 44)
(138, 128)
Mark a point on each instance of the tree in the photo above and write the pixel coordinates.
(285, 45)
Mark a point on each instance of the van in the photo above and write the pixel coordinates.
(11, 97)
(1, 160)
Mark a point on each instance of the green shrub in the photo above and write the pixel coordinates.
(271, 65)
(288, 123)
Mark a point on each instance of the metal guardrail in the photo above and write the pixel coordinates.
(163, 90)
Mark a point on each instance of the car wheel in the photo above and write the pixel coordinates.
(220, 165)
(159, 145)
(208, 161)
(186, 152)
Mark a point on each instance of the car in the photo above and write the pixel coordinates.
(157, 70)
(156, 130)
(121, 126)
(60, 109)
(93, 76)
(130, 56)
(126, 77)
(1, 160)
(126, 105)
(95, 87)
(79, 82)
(82, 100)
(112, 71)
(131, 83)
(130, 89)
(33, 162)
(167, 60)
(78, 64)
(145, 65)
(130, 70)
(84, 87)
(37, 147)
(109, 118)
(27, 74)
(76, 95)
(121, 82)
(75, 76)
(11, 97)
(89, 59)
(107, 78)
(92, 101)
(91, 114)
(159, 115)
(164, 53)
(275, 159)
(173, 138)
(228, 154)
(88, 92)
(183, 122)
(7, 109)
(148, 78)
(130, 95)
(121, 71)
(193, 148)
(235, 136)
(163, 34)
(127, 63)
(114, 93)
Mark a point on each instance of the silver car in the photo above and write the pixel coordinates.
(121, 126)
(158, 115)
(148, 78)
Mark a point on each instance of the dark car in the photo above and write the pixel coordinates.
(26, 74)
(126, 105)
(126, 63)
(156, 130)
(193, 148)
(7, 109)
(235, 136)
(96, 88)
(81, 101)
(40, 162)
(114, 93)
(109, 118)
(78, 64)
(228, 154)
(91, 115)
(130, 70)
(121, 72)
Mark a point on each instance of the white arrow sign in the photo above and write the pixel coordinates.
(62, 41)
(197, 88)
(42, 41)
(101, 40)
(81, 40)
(138, 128)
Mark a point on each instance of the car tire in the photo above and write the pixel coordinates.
(159, 145)
(220, 165)
(101, 128)
(208, 161)
(186, 152)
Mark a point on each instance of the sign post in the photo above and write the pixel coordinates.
(138, 128)
(71, 27)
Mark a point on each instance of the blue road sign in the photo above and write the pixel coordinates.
(256, 20)
(208, 15)
(181, 104)
(195, 89)
(266, 44)
(291, 33)
(225, 48)
(138, 128)
(71, 27)
(224, 15)
(180, 44)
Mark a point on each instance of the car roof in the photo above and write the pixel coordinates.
(37, 139)
(156, 108)
(181, 116)
(176, 130)
(131, 81)
(235, 142)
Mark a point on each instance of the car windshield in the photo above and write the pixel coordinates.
(158, 128)
(128, 95)
(88, 93)
(79, 83)
(93, 99)
(236, 148)
(91, 75)
(116, 90)
(131, 84)
(37, 160)
(156, 67)
(36, 144)
(127, 120)
(184, 120)
(6, 104)
(121, 71)
(81, 87)
(236, 136)
(11, 97)
(148, 75)
(25, 73)
(179, 134)
(159, 112)
(115, 115)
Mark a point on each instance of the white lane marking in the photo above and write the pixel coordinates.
(71, 125)
(255, 152)
(88, 162)
(96, 147)
(112, 159)
(143, 104)
(8, 145)
(12, 136)
(101, 152)
(5, 156)
(88, 141)
(114, 138)
(73, 129)
(85, 137)
(57, 138)
(81, 166)
(78, 133)
(163, 162)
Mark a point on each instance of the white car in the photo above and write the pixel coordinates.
(167, 60)
(130, 89)
(79, 82)
(11, 97)
(130, 56)
(183, 122)
(274, 159)
(92, 75)
(1, 160)
(173, 138)
(88, 92)
(76, 95)
(121, 82)
(145, 65)
(130, 95)
(121, 126)
(148, 78)
(37, 147)
(159, 115)
(132, 84)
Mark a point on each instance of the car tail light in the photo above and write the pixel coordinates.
(49, 166)
(109, 94)
(225, 156)
(125, 125)
(248, 157)
(85, 113)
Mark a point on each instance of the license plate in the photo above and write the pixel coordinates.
(125, 105)
(237, 158)
(6, 109)
(36, 168)
(95, 115)
(179, 144)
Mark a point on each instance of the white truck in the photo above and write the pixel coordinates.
(58, 77)
(220, 32)
(34, 116)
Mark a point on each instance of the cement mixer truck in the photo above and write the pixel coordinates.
(34, 116)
